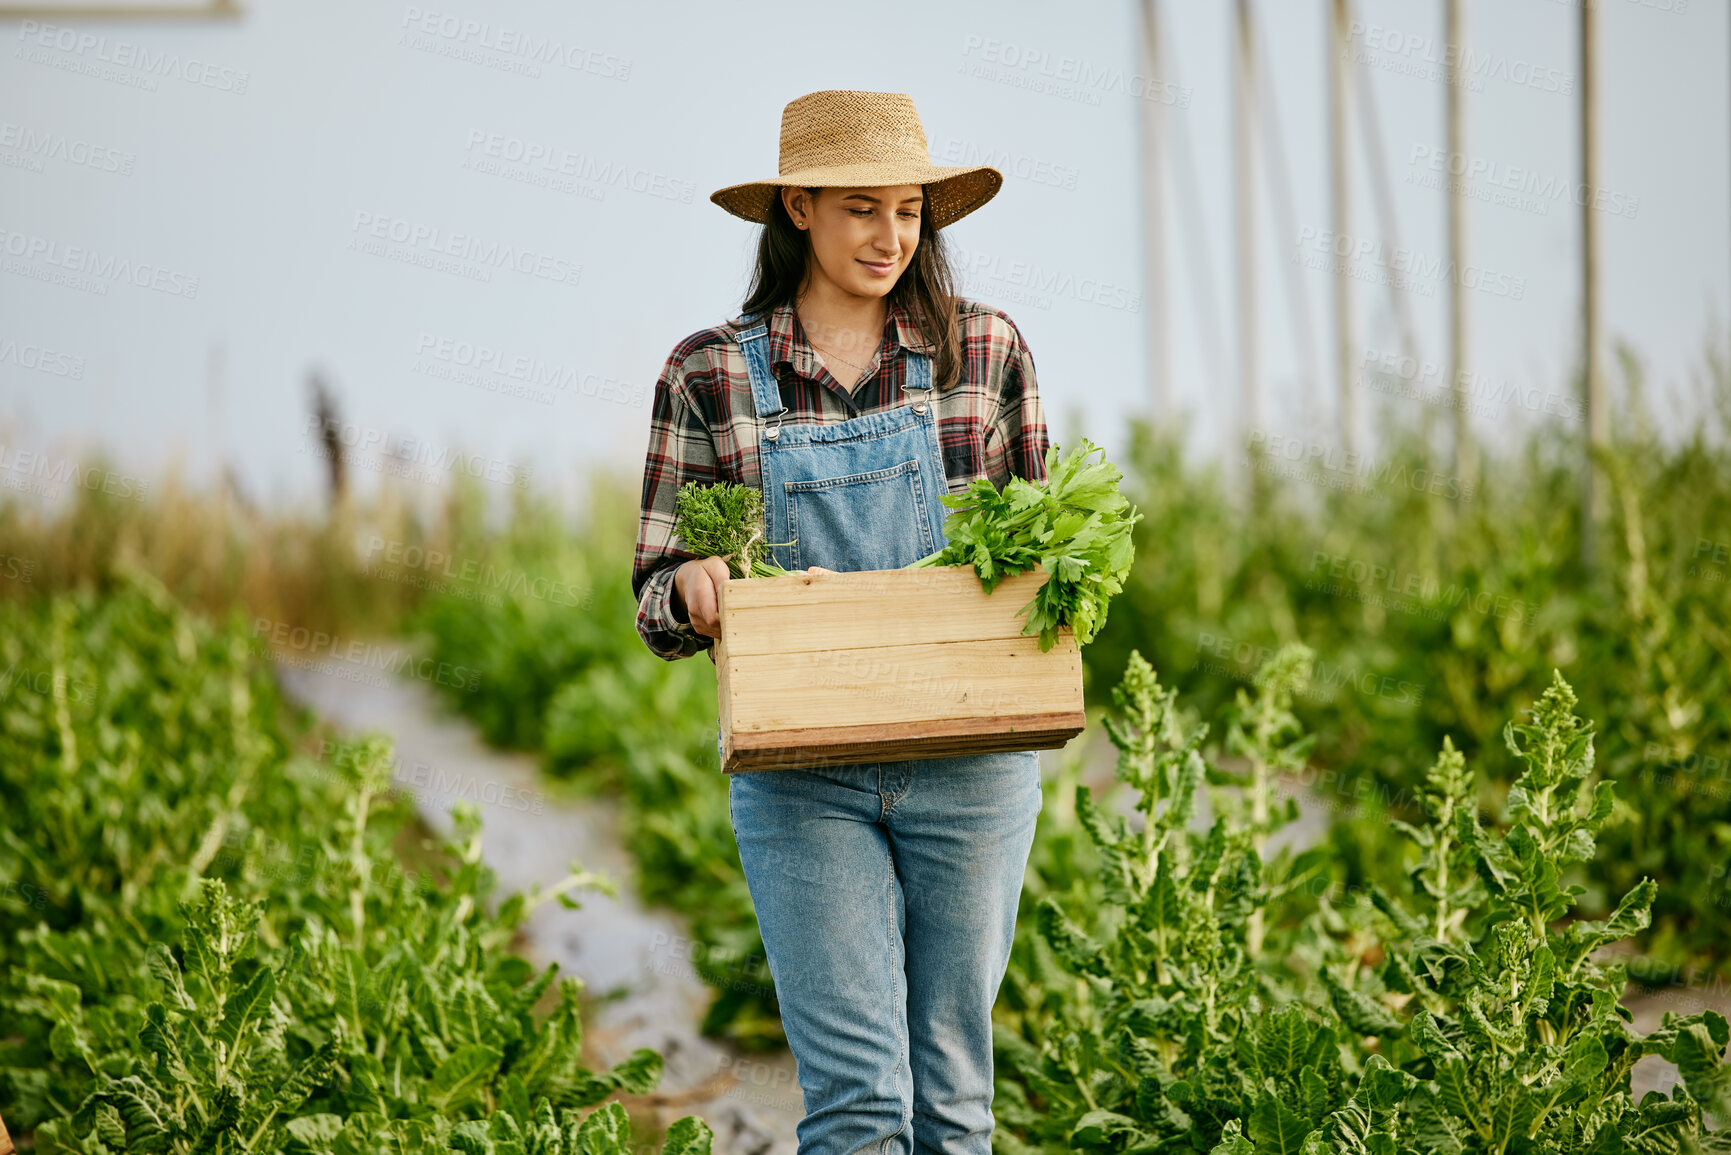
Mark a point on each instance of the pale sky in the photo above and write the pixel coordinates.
(272, 159)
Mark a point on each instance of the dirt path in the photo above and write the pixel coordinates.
(634, 961)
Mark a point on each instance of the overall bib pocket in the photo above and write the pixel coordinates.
(855, 522)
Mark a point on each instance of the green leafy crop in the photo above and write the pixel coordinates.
(726, 520)
(1156, 1012)
(1076, 525)
(187, 964)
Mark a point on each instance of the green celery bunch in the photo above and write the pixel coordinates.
(1076, 525)
(726, 520)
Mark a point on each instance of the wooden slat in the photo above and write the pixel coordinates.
(857, 619)
(724, 696)
(872, 586)
(901, 742)
(888, 665)
(5, 1139)
(971, 679)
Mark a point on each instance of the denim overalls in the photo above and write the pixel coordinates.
(886, 891)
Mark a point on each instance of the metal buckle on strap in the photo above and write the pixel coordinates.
(774, 431)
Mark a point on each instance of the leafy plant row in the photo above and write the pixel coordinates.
(188, 964)
(1192, 991)
(578, 687)
(1432, 617)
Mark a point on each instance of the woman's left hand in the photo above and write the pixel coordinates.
(817, 569)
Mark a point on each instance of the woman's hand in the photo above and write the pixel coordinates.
(696, 588)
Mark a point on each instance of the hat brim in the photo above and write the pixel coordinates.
(952, 192)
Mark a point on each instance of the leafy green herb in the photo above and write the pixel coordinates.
(726, 520)
(1076, 526)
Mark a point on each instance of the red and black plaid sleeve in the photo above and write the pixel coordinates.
(681, 449)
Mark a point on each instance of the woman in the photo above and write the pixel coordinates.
(854, 389)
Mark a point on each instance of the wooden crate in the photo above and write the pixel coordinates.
(887, 666)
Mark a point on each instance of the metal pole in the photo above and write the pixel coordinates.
(1154, 212)
(1382, 195)
(1280, 202)
(1592, 384)
(1454, 36)
(1244, 198)
(1340, 174)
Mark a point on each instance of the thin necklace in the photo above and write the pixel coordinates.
(837, 356)
(827, 354)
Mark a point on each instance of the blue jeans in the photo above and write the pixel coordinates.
(886, 893)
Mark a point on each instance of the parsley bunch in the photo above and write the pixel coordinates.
(726, 520)
(1076, 526)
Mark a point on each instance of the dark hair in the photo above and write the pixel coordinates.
(926, 288)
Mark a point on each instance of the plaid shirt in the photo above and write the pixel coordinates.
(703, 427)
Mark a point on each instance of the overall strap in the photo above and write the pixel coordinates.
(765, 392)
(919, 371)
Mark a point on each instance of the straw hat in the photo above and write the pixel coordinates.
(841, 139)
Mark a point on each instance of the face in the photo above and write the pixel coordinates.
(861, 238)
